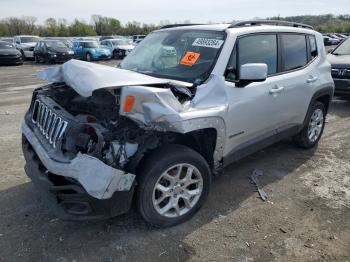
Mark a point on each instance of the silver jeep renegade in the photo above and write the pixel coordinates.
(186, 102)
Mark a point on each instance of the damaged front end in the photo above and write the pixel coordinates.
(83, 141)
(80, 148)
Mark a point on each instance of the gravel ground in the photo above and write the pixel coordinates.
(306, 217)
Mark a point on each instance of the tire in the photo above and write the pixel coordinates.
(88, 57)
(304, 139)
(120, 54)
(195, 189)
(24, 57)
(115, 55)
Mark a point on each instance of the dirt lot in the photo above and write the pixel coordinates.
(306, 217)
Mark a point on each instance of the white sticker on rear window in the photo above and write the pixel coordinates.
(206, 42)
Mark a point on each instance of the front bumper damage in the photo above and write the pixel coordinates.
(84, 188)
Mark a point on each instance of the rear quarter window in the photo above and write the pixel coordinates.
(294, 51)
(313, 47)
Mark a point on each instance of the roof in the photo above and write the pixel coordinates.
(242, 29)
(214, 27)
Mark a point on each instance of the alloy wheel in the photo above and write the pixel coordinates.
(177, 190)
(315, 125)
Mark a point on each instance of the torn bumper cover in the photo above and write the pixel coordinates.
(83, 188)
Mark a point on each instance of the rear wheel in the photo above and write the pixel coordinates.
(173, 183)
(313, 130)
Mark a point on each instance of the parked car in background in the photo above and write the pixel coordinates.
(138, 38)
(119, 47)
(25, 44)
(342, 36)
(90, 50)
(330, 41)
(110, 37)
(67, 41)
(7, 39)
(49, 51)
(340, 61)
(9, 54)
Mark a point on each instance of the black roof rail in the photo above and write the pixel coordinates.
(177, 25)
(268, 22)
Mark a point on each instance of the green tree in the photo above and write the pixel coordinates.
(80, 28)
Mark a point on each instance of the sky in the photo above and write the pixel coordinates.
(154, 11)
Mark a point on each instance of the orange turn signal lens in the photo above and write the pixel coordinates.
(129, 103)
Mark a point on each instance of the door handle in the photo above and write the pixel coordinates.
(312, 79)
(276, 89)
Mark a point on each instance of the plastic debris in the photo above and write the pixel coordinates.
(254, 180)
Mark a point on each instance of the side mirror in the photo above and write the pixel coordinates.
(254, 72)
(80, 46)
(330, 50)
(18, 42)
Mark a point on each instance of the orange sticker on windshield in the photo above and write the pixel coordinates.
(190, 58)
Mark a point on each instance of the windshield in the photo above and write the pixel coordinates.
(121, 42)
(54, 44)
(185, 55)
(91, 45)
(29, 39)
(343, 49)
(6, 46)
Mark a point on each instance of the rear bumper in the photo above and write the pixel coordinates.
(72, 190)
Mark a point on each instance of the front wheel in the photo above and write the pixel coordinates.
(115, 54)
(313, 130)
(88, 57)
(173, 183)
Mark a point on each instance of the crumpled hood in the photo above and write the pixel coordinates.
(85, 77)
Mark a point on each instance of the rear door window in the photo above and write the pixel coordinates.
(294, 51)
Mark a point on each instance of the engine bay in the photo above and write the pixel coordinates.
(98, 129)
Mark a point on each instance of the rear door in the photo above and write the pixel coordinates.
(298, 78)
